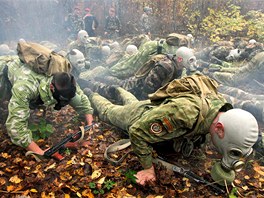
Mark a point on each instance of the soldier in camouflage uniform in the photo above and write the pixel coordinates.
(181, 116)
(29, 90)
(74, 23)
(90, 47)
(127, 68)
(112, 25)
(158, 71)
(251, 72)
(145, 21)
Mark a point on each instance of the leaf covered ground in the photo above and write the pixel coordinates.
(85, 173)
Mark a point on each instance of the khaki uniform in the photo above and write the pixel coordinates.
(185, 115)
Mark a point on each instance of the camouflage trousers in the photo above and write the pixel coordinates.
(244, 100)
(122, 116)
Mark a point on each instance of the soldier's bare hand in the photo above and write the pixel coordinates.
(146, 175)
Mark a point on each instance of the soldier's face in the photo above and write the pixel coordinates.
(112, 13)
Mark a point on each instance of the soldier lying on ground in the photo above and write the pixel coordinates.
(158, 71)
(89, 46)
(162, 69)
(127, 67)
(249, 74)
(28, 90)
(189, 114)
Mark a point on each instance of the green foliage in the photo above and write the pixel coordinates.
(255, 25)
(41, 130)
(108, 185)
(67, 151)
(223, 23)
(130, 176)
(233, 193)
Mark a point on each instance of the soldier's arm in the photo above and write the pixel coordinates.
(165, 122)
(82, 105)
(19, 112)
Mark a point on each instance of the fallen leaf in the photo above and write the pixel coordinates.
(33, 190)
(2, 181)
(10, 188)
(15, 179)
(246, 177)
(259, 169)
(50, 167)
(245, 187)
(65, 176)
(100, 137)
(101, 181)
(87, 193)
(5, 155)
(96, 174)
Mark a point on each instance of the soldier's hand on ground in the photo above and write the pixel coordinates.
(146, 175)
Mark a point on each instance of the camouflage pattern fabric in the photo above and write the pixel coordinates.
(148, 122)
(126, 68)
(27, 88)
(75, 23)
(244, 100)
(138, 40)
(253, 70)
(145, 23)
(91, 51)
(151, 77)
(112, 25)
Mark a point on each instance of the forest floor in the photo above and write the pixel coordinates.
(85, 173)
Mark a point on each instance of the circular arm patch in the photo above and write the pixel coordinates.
(155, 128)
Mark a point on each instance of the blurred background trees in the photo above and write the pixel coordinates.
(206, 20)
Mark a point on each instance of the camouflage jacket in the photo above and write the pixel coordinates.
(27, 88)
(252, 70)
(187, 115)
(127, 68)
(145, 23)
(74, 23)
(112, 24)
(154, 74)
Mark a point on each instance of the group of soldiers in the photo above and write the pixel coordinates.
(167, 90)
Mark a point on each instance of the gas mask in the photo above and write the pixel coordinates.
(185, 57)
(131, 49)
(240, 134)
(77, 59)
(105, 51)
(64, 96)
(83, 36)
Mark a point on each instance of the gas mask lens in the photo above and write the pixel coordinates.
(239, 158)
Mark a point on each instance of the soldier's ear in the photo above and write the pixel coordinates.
(52, 88)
